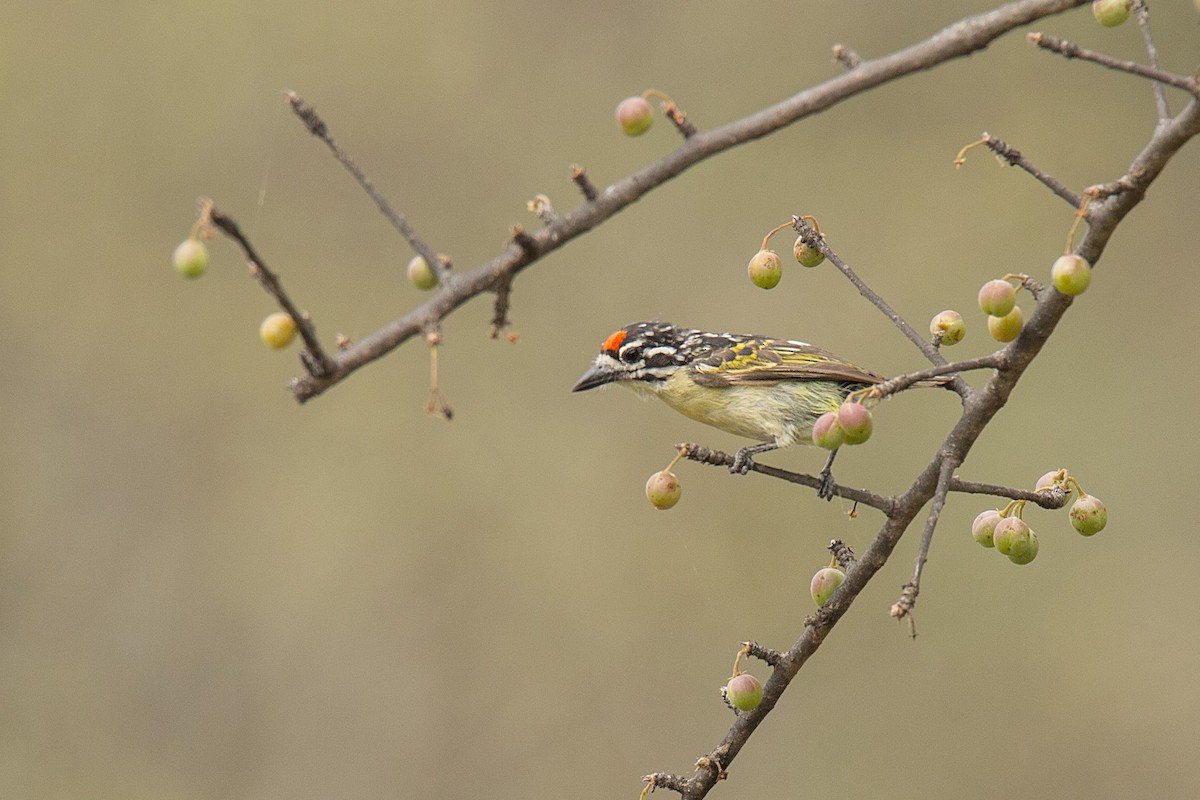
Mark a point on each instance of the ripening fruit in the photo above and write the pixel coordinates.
(765, 269)
(191, 258)
(1008, 327)
(1111, 13)
(827, 433)
(997, 298)
(635, 116)
(1010, 532)
(807, 256)
(420, 274)
(984, 527)
(663, 490)
(744, 692)
(824, 582)
(1054, 479)
(950, 325)
(855, 421)
(1088, 515)
(1024, 549)
(277, 330)
(1071, 274)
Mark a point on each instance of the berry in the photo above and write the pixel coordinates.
(1111, 13)
(1088, 515)
(744, 692)
(1071, 274)
(191, 258)
(950, 325)
(806, 255)
(1024, 550)
(765, 269)
(1008, 327)
(827, 433)
(997, 298)
(420, 274)
(663, 490)
(277, 330)
(855, 421)
(824, 582)
(1010, 533)
(984, 527)
(635, 116)
(1054, 479)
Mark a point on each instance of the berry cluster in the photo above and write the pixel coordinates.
(766, 268)
(850, 424)
(1010, 535)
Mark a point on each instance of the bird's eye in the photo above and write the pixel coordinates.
(631, 355)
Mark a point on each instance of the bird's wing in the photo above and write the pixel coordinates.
(760, 361)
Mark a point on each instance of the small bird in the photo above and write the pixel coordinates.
(768, 390)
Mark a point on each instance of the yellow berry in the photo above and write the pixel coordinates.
(277, 330)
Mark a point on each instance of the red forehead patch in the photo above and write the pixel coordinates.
(613, 343)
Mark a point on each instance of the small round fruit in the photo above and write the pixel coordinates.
(855, 421)
(997, 298)
(1010, 533)
(635, 116)
(663, 490)
(1071, 274)
(191, 258)
(1008, 327)
(1053, 479)
(824, 582)
(744, 692)
(827, 433)
(277, 330)
(1024, 550)
(984, 527)
(950, 325)
(806, 255)
(765, 269)
(1088, 515)
(420, 274)
(1111, 13)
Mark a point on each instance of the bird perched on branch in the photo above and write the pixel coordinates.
(768, 390)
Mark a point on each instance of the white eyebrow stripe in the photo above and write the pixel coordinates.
(653, 351)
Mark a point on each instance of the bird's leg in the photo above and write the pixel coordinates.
(743, 458)
(825, 490)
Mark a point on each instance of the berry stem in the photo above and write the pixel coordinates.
(774, 231)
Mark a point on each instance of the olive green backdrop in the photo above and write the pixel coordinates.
(208, 591)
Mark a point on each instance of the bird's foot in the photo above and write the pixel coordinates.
(742, 461)
(828, 484)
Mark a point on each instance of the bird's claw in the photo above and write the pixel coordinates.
(742, 461)
(827, 484)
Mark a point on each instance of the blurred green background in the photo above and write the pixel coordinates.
(208, 591)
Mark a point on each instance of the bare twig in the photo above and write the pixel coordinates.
(908, 597)
(1142, 12)
(579, 175)
(1015, 159)
(1072, 50)
(1044, 499)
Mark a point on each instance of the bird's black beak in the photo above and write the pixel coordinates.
(598, 375)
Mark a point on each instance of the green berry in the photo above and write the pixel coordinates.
(1010, 533)
(855, 421)
(1088, 515)
(806, 255)
(950, 325)
(997, 298)
(277, 330)
(1111, 13)
(744, 692)
(765, 269)
(1024, 549)
(635, 116)
(1008, 327)
(984, 527)
(663, 490)
(827, 433)
(1071, 274)
(420, 274)
(191, 258)
(824, 582)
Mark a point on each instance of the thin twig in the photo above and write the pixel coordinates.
(1014, 158)
(318, 128)
(1072, 50)
(1044, 499)
(908, 598)
(1142, 12)
(902, 382)
(579, 175)
(315, 360)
